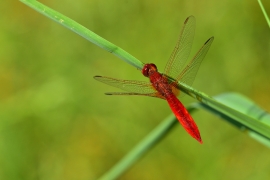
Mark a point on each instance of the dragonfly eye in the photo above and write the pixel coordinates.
(148, 69)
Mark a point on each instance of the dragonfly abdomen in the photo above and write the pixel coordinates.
(183, 116)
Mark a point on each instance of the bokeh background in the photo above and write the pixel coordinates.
(56, 123)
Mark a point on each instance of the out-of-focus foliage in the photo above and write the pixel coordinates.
(55, 122)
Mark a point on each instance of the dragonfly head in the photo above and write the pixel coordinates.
(148, 69)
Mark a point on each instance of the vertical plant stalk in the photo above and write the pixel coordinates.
(264, 13)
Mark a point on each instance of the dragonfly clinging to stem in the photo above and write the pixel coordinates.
(166, 85)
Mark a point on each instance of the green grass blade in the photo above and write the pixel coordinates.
(241, 118)
(237, 101)
(264, 13)
(142, 147)
(248, 107)
(235, 113)
(84, 32)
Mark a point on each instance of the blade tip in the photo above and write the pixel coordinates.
(210, 39)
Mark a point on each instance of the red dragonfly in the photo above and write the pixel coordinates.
(165, 86)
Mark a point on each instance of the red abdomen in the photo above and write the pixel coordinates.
(160, 83)
(183, 117)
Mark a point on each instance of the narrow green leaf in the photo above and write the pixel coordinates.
(241, 118)
(264, 13)
(142, 147)
(84, 32)
(228, 109)
(248, 107)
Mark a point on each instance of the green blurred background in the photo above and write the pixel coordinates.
(56, 123)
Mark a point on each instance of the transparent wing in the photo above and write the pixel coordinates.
(132, 86)
(187, 76)
(182, 49)
(156, 94)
